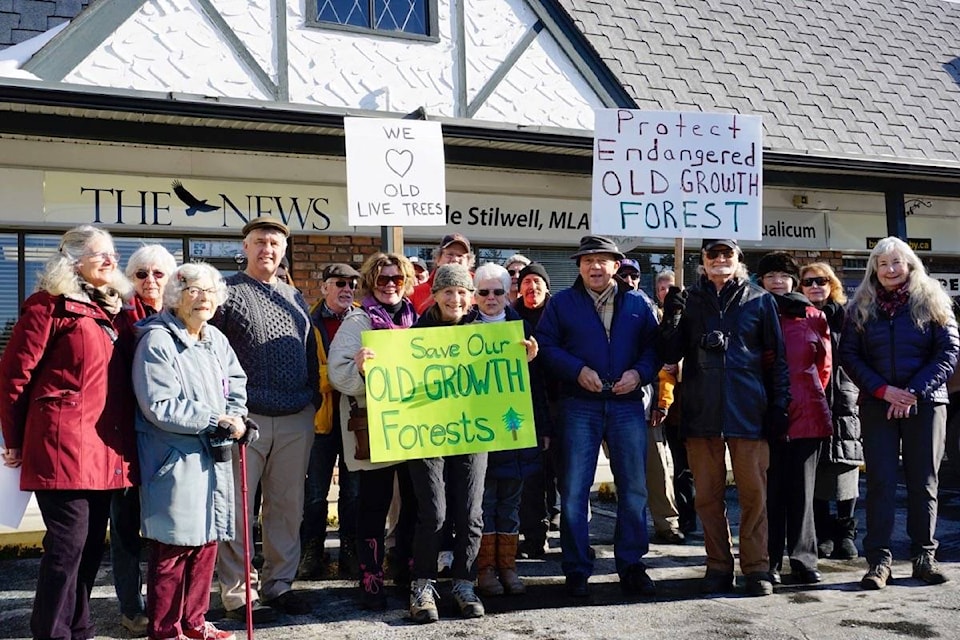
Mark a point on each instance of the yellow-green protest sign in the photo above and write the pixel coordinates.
(444, 391)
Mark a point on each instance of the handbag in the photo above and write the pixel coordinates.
(357, 423)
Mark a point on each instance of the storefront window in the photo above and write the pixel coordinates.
(9, 300)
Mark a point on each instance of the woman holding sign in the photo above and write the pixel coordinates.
(386, 281)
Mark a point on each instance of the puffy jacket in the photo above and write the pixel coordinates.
(895, 351)
(727, 392)
(65, 396)
(806, 339)
(571, 336)
(183, 386)
(845, 446)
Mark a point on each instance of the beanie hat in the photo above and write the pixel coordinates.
(451, 275)
(536, 269)
(779, 261)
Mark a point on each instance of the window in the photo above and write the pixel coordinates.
(403, 18)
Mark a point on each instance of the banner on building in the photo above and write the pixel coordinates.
(395, 172)
(677, 174)
(447, 391)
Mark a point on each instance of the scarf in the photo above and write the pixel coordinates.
(380, 318)
(498, 318)
(105, 297)
(892, 301)
(603, 303)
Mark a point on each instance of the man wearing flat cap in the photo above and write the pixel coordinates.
(736, 389)
(454, 249)
(338, 286)
(599, 339)
(268, 325)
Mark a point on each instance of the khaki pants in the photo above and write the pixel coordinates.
(750, 458)
(278, 462)
(660, 496)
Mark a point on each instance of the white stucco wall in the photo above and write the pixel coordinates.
(493, 27)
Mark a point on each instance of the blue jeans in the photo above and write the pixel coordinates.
(501, 504)
(586, 423)
(324, 453)
(125, 544)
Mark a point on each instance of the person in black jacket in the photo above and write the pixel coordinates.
(900, 346)
(736, 390)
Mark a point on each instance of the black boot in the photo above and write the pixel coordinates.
(347, 564)
(845, 548)
(826, 526)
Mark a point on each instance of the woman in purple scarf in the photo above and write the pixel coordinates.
(386, 281)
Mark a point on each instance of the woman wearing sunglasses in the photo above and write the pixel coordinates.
(386, 282)
(838, 471)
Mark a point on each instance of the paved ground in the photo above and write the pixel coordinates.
(835, 609)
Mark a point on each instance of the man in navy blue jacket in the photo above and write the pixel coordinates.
(599, 339)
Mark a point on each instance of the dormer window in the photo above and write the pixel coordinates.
(400, 18)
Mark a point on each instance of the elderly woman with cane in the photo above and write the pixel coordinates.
(191, 392)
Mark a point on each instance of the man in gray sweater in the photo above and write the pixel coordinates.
(268, 324)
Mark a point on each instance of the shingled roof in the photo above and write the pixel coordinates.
(878, 79)
(23, 19)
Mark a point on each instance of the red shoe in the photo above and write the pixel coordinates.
(209, 632)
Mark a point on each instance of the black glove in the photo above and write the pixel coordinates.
(675, 302)
(776, 422)
(252, 434)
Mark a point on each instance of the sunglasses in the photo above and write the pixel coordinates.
(349, 283)
(820, 281)
(483, 293)
(514, 272)
(383, 281)
(143, 274)
(713, 254)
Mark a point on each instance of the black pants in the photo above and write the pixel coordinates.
(534, 512)
(682, 477)
(790, 481)
(373, 503)
(76, 523)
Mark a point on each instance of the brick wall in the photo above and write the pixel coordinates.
(312, 253)
(23, 19)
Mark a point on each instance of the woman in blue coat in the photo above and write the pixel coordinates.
(899, 347)
(191, 396)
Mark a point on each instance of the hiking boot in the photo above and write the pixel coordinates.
(877, 577)
(468, 602)
(372, 595)
(759, 584)
(926, 568)
(313, 561)
(136, 625)
(423, 602)
(845, 548)
(209, 632)
(716, 582)
(634, 581)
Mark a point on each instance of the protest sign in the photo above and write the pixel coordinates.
(395, 172)
(446, 391)
(669, 174)
(13, 500)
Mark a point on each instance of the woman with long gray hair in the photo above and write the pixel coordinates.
(900, 346)
(66, 407)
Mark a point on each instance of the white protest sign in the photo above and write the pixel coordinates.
(677, 174)
(395, 172)
(13, 500)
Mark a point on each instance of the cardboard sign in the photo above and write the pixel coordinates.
(395, 172)
(447, 391)
(677, 174)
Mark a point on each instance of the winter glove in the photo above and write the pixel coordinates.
(777, 422)
(252, 434)
(674, 303)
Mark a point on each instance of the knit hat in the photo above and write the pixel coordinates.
(534, 269)
(451, 275)
(418, 264)
(597, 244)
(779, 261)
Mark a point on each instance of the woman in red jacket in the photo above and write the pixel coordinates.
(66, 407)
(794, 454)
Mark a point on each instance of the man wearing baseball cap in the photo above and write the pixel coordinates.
(454, 249)
(268, 325)
(598, 338)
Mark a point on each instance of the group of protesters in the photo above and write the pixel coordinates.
(122, 396)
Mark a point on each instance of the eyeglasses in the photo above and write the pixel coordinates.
(342, 284)
(820, 281)
(483, 293)
(383, 281)
(713, 254)
(196, 291)
(143, 274)
(103, 256)
(514, 272)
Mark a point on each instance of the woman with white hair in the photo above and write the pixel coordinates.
(67, 414)
(514, 265)
(191, 395)
(900, 346)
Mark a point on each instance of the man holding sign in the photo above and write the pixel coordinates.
(599, 338)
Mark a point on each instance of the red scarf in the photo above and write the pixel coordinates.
(892, 301)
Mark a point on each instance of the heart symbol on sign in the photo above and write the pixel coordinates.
(399, 161)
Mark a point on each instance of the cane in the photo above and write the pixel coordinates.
(246, 535)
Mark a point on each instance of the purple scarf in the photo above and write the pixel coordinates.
(892, 301)
(380, 318)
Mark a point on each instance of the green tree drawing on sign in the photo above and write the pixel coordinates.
(513, 421)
